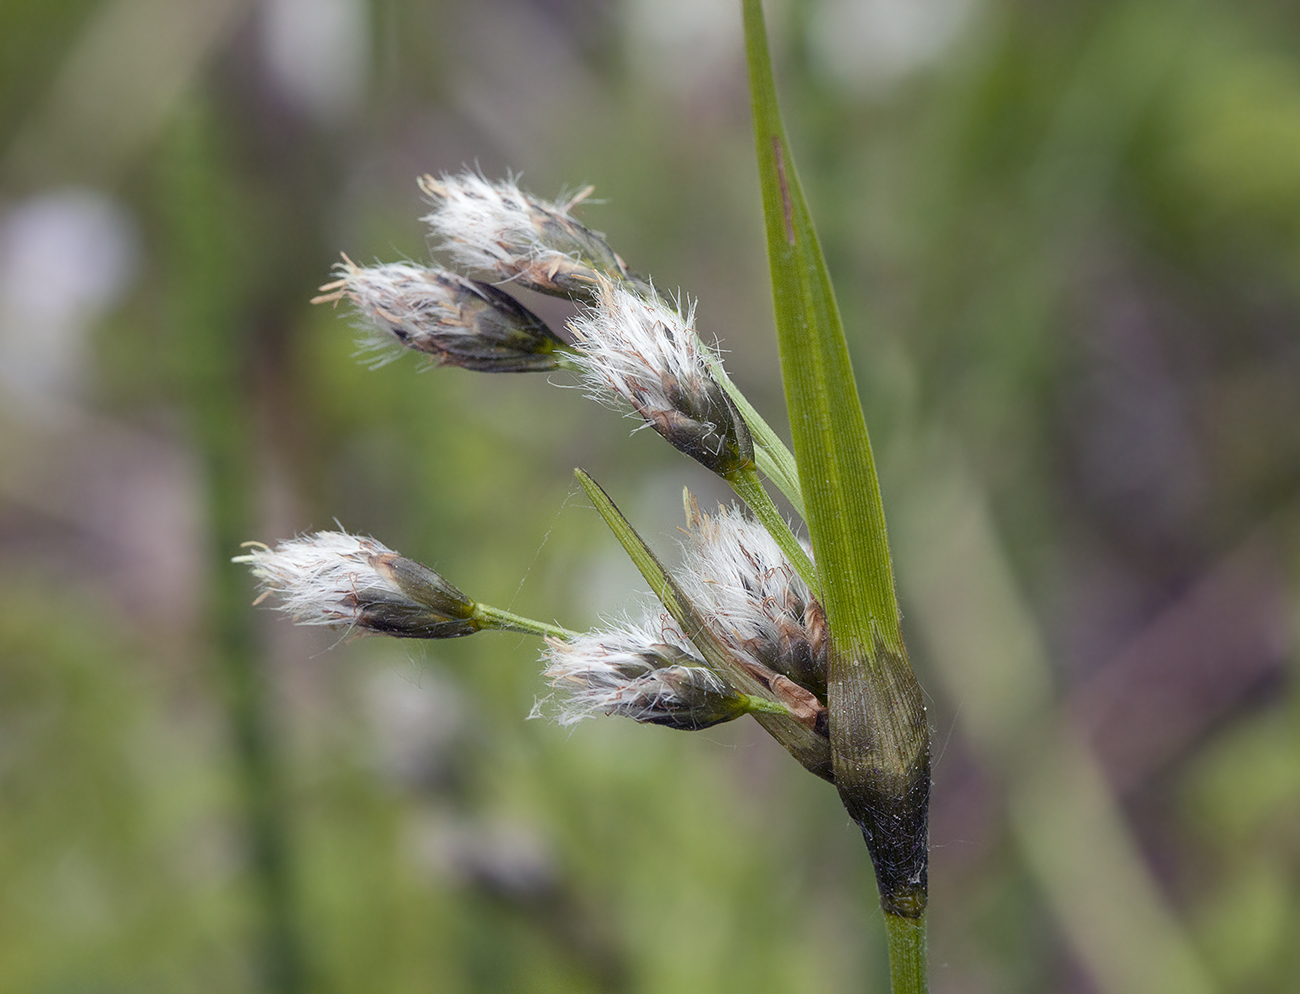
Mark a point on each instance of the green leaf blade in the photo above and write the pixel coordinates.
(832, 450)
(879, 736)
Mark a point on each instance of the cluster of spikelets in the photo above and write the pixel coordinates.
(741, 631)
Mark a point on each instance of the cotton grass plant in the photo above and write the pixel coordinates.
(805, 639)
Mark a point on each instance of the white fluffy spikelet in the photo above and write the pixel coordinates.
(484, 224)
(753, 598)
(324, 578)
(636, 350)
(333, 578)
(647, 672)
(456, 320)
(497, 227)
(399, 304)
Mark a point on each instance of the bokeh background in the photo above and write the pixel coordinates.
(1066, 240)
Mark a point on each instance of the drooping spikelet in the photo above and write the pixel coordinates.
(752, 597)
(496, 227)
(457, 320)
(647, 672)
(636, 350)
(346, 581)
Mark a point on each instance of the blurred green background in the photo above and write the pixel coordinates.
(1066, 240)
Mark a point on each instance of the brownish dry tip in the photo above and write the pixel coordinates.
(803, 705)
(335, 290)
(579, 197)
(335, 294)
(432, 187)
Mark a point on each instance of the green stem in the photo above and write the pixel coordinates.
(761, 705)
(906, 954)
(773, 457)
(494, 617)
(747, 486)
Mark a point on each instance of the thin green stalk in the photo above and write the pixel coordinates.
(773, 457)
(494, 617)
(748, 488)
(761, 705)
(906, 938)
